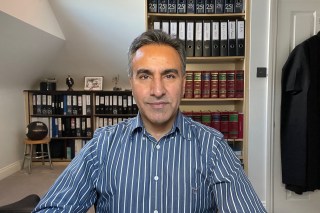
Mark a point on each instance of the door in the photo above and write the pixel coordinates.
(297, 21)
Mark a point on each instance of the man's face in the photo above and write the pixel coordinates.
(157, 84)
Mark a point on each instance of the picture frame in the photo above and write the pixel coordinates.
(93, 82)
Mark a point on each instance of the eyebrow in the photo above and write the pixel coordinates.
(165, 72)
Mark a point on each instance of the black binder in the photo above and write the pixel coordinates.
(74, 105)
(219, 6)
(209, 6)
(102, 104)
(172, 6)
(162, 6)
(182, 32)
(181, 6)
(43, 104)
(97, 105)
(49, 105)
(240, 36)
(215, 38)
(173, 28)
(229, 6)
(199, 6)
(152, 6)
(191, 6)
(239, 6)
(231, 38)
(223, 38)
(198, 39)
(206, 38)
(190, 39)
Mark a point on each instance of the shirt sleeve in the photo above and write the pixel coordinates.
(232, 189)
(74, 190)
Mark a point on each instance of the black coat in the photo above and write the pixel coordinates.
(300, 117)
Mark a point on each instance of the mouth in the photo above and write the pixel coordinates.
(158, 105)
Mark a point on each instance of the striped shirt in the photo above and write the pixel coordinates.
(124, 169)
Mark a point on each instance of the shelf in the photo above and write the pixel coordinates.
(213, 60)
(210, 99)
(68, 138)
(115, 115)
(193, 15)
(56, 115)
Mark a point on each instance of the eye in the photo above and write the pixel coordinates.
(143, 76)
(170, 76)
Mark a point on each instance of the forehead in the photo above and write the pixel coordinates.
(156, 52)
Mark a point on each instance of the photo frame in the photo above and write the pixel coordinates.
(93, 82)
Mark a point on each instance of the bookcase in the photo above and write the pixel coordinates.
(216, 37)
(72, 116)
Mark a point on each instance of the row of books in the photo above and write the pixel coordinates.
(205, 38)
(229, 123)
(115, 104)
(67, 126)
(196, 6)
(214, 84)
(49, 104)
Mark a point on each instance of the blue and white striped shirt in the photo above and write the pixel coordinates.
(124, 169)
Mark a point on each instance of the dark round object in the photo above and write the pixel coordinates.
(36, 130)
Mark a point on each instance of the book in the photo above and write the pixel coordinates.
(239, 84)
(74, 105)
(232, 38)
(222, 84)
(206, 118)
(200, 6)
(219, 6)
(182, 6)
(214, 84)
(240, 125)
(197, 84)
(198, 39)
(215, 120)
(209, 6)
(205, 84)
(224, 124)
(240, 28)
(191, 6)
(189, 85)
(233, 128)
(162, 6)
(239, 6)
(229, 6)
(152, 6)
(206, 38)
(230, 86)
(172, 6)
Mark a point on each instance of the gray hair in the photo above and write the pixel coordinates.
(156, 37)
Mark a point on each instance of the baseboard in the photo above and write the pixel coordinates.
(10, 169)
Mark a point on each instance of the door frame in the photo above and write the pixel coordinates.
(273, 32)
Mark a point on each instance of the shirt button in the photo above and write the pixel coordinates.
(158, 146)
(156, 178)
(155, 211)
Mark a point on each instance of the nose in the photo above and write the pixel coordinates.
(158, 87)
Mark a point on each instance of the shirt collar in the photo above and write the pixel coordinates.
(179, 125)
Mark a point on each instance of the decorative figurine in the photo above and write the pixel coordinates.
(69, 82)
(116, 80)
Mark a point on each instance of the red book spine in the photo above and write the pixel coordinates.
(197, 84)
(205, 78)
(215, 120)
(224, 126)
(239, 83)
(214, 85)
(189, 85)
(240, 125)
(233, 125)
(206, 118)
(222, 84)
(230, 75)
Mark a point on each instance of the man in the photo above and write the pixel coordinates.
(159, 161)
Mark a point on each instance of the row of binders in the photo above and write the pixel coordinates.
(115, 104)
(67, 150)
(207, 37)
(48, 104)
(229, 123)
(67, 126)
(196, 6)
(214, 84)
(109, 121)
